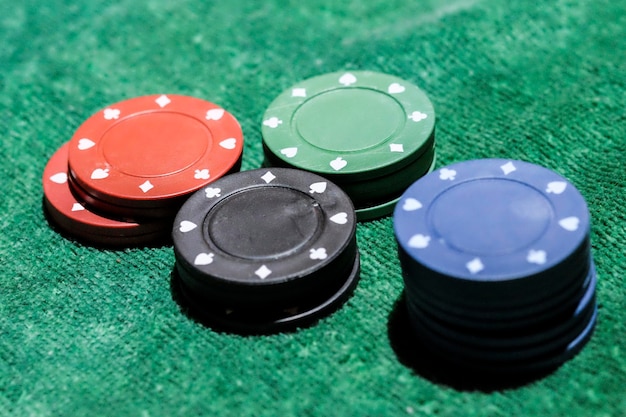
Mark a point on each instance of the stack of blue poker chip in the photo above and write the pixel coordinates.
(497, 265)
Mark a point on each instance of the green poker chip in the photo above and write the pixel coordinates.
(354, 128)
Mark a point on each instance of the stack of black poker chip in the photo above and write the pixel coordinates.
(266, 250)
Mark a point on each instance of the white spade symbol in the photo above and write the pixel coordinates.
(347, 79)
(204, 259)
(99, 174)
(395, 88)
(289, 152)
(318, 187)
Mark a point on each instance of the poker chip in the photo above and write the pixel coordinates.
(140, 158)
(497, 264)
(72, 218)
(266, 250)
(372, 134)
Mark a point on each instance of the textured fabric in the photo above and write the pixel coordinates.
(85, 331)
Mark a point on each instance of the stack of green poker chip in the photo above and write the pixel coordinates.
(372, 134)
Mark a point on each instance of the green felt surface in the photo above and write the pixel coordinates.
(92, 332)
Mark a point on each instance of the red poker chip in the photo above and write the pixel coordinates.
(150, 151)
(71, 216)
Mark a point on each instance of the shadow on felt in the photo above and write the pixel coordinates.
(413, 353)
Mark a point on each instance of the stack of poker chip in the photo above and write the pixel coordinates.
(372, 134)
(266, 250)
(497, 265)
(127, 170)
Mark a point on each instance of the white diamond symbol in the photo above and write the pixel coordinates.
(508, 168)
(396, 147)
(163, 101)
(263, 272)
(77, 207)
(298, 92)
(146, 186)
(268, 177)
(475, 266)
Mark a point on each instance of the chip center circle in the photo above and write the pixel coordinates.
(264, 223)
(155, 144)
(498, 216)
(349, 119)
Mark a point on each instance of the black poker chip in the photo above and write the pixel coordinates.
(266, 250)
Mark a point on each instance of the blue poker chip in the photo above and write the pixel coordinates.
(491, 220)
(497, 264)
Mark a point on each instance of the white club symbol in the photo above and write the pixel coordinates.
(447, 174)
(417, 116)
(211, 192)
(319, 253)
(536, 257)
(201, 174)
(110, 114)
(475, 266)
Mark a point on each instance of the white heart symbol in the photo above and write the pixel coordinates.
(214, 114)
(338, 163)
(289, 152)
(395, 88)
(556, 187)
(569, 223)
(186, 226)
(229, 143)
(59, 178)
(77, 207)
(411, 204)
(85, 143)
(340, 218)
(318, 187)
(419, 241)
(204, 259)
(347, 79)
(99, 174)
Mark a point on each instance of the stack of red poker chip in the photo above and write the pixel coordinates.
(127, 170)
